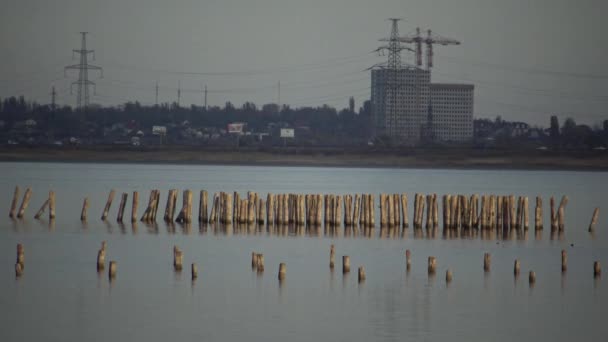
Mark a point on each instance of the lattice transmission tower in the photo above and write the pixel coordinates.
(83, 67)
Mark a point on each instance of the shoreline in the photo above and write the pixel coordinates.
(419, 160)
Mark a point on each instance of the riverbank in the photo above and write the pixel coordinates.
(460, 159)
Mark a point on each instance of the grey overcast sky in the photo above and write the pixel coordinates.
(527, 59)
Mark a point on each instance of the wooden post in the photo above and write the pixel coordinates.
(361, 274)
(121, 207)
(178, 259)
(408, 259)
(345, 264)
(429, 211)
(597, 269)
(24, 203)
(101, 259)
(202, 207)
(348, 210)
(372, 210)
(260, 261)
(134, 204)
(404, 221)
(112, 270)
(156, 203)
(269, 209)
(526, 213)
(564, 261)
(42, 209)
(251, 210)
(435, 212)
(332, 257)
(282, 271)
(516, 267)
(390, 203)
(194, 270)
(447, 205)
(12, 212)
(532, 278)
(85, 206)
(538, 214)
(486, 262)
(106, 209)
(512, 212)
(397, 210)
(432, 265)
(596, 213)
(519, 213)
(363, 214)
(51, 205)
(448, 276)
(318, 211)
(262, 211)
(169, 206)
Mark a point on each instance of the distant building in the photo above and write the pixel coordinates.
(451, 112)
(422, 110)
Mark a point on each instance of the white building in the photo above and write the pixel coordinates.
(452, 112)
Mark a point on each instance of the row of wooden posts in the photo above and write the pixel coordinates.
(459, 211)
(257, 263)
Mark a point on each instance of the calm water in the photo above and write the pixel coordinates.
(61, 297)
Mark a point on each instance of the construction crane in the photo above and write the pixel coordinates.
(429, 40)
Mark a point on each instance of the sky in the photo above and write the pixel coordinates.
(527, 59)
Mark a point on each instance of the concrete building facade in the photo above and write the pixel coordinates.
(452, 112)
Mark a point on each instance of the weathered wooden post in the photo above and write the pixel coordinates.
(390, 202)
(332, 257)
(178, 259)
(12, 212)
(282, 271)
(526, 213)
(51, 205)
(361, 274)
(408, 259)
(121, 206)
(101, 259)
(194, 271)
(532, 278)
(134, 204)
(432, 265)
(516, 267)
(597, 269)
(512, 212)
(112, 270)
(372, 210)
(596, 213)
(448, 276)
(560, 213)
(538, 214)
(486, 262)
(269, 209)
(447, 205)
(260, 262)
(564, 260)
(251, 210)
(202, 207)
(42, 209)
(404, 220)
(24, 203)
(85, 206)
(345, 264)
(106, 209)
(429, 211)
(170, 206)
(214, 208)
